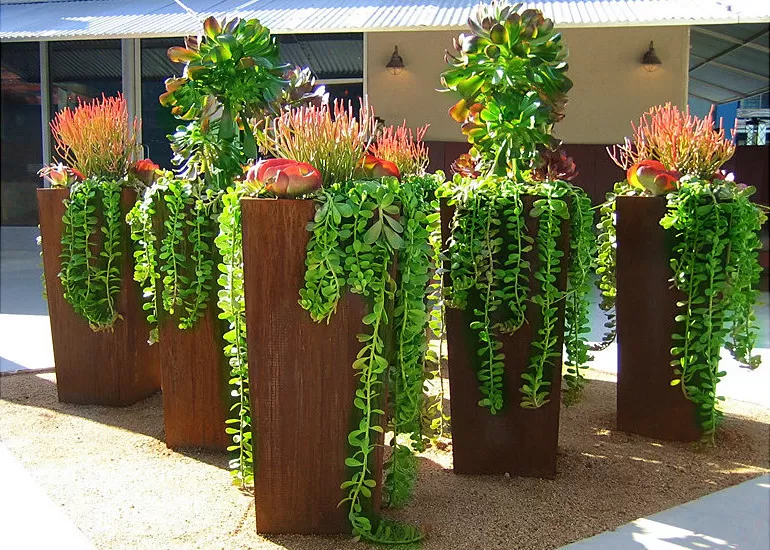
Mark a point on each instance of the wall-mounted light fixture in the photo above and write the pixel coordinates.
(650, 60)
(396, 63)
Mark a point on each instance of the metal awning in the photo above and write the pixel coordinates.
(729, 62)
(63, 20)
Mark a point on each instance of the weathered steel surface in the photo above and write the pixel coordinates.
(646, 307)
(194, 372)
(517, 441)
(302, 383)
(115, 367)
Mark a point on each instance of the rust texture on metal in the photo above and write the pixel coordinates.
(194, 372)
(517, 441)
(301, 381)
(646, 307)
(117, 367)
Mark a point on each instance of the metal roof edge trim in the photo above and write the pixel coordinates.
(665, 23)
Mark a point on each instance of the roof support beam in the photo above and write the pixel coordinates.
(733, 40)
(736, 70)
(717, 86)
(729, 50)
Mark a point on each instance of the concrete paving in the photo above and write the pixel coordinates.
(737, 518)
(30, 520)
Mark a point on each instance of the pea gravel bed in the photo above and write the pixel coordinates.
(112, 474)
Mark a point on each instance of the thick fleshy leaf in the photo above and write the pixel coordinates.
(178, 54)
(211, 27)
(652, 176)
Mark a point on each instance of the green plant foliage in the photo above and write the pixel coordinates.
(407, 375)
(509, 73)
(232, 305)
(576, 315)
(143, 234)
(715, 227)
(90, 273)
(490, 275)
(176, 253)
(357, 229)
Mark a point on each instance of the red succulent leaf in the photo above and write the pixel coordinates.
(284, 177)
(60, 175)
(371, 167)
(145, 171)
(652, 176)
(178, 54)
(465, 165)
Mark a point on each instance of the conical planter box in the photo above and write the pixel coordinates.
(647, 404)
(515, 441)
(302, 383)
(116, 367)
(194, 374)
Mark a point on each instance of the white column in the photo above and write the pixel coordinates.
(45, 103)
(131, 61)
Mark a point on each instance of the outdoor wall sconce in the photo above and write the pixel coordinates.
(650, 60)
(396, 63)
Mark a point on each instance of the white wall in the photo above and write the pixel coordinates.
(611, 86)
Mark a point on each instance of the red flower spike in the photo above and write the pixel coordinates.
(652, 176)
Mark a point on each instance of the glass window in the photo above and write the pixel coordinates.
(20, 132)
(157, 121)
(83, 69)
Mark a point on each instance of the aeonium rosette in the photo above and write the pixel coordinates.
(284, 178)
(59, 175)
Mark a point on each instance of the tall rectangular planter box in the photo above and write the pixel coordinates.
(194, 375)
(302, 383)
(117, 367)
(516, 441)
(647, 404)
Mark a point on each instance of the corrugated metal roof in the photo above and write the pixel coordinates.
(148, 18)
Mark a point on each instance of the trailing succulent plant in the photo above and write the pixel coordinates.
(509, 72)
(96, 142)
(714, 259)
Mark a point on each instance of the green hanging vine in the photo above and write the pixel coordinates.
(178, 254)
(357, 229)
(232, 305)
(490, 273)
(715, 238)
(90, 272)
(576, 314)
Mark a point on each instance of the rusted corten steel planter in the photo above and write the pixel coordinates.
(302, 383)
(646, 307)
(516, 441)
(117, 367)
(195, 374)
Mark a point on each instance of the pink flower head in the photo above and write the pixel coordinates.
(59, 175)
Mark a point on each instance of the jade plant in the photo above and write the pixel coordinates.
(714, 259)
(96, 142)
(509, 72)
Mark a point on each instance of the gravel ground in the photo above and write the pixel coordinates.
(114, 477)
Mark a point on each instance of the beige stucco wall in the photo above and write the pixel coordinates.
(611, 87)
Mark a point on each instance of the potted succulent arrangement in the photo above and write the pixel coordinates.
(678, 253)
(360, 321)
(100, 355)
(519, 246)
(232, 79)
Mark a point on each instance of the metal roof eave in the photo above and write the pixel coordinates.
(109, 19)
